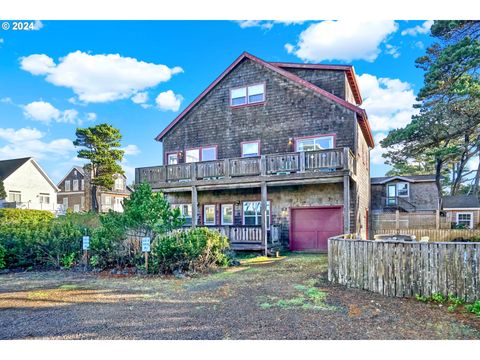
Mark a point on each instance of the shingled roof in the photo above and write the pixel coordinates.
(8, 167)
(411, 178)
(461, 202)
(279, 68)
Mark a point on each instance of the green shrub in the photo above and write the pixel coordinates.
(68, 260)
(191, 250)
(474, 308)
(3, 252)
(10, 217)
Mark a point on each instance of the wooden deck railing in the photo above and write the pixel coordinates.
(265, 165)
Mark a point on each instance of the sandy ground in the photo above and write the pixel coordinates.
(288, 298)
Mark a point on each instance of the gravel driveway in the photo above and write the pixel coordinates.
(288, 298)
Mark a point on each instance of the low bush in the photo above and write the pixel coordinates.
(474, 308)
(2, 257)
(192, 250)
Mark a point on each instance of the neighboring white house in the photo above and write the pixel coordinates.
(27, 185)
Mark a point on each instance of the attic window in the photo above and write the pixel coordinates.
(247, 95)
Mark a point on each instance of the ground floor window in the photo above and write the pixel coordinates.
(44, 198)
(252, 213)
(14, 196)
(465, 219)
(227, 214)
(209, 215)
(185, 212)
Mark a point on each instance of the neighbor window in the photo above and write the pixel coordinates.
(76, 208)
(83, 184)
(465, 219)
(209, 153)
(67, 185)
(44, 198)
(65, 202)
(108, 200)
(118, 184)
(14, 196)
(314, 143)
(227, 214)
(247, 95)
(403, 189)
(252, 213)
(172, 159)
(251, 148)
(75, 185)
(192, 155)
(209, 215)
(185, 211)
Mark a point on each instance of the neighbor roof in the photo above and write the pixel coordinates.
(361, 113)
(410, 178)
(460, 202)
(8, 167)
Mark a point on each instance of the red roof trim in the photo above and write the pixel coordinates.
(349, 69)
(362, 114)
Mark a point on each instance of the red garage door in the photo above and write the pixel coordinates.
(311, 227)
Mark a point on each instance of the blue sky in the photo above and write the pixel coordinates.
(138, 75)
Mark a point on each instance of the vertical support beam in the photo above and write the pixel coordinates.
(194, 206)
(264, 215)
(346, 204)
(346, 158)
(437, 219)
(226, 167)
(263, 165)
(302, 161)
(397, 220)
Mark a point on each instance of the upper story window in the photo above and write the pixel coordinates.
(75, 185)
(201, 154)
(247, 95)
(250, 148)
(315, 143)
(67, 185)
(118, 184)
(209, 153)
(14, 196)
(83, 184)
(172, 159)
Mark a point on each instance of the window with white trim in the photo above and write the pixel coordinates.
(185, 212)
(247, 95)
(75, 185)
(76, 208)
(209, 215)
(65, 202)
(314, 143)
(118, 183)
(192, 155)
(465, 219)
(403, 189)
(14, 196)
(83, 184)
(108, 200)
(67, 185)
(44, 198)
(250, 149)
(172, 159)
(252, 213)
(227, 214)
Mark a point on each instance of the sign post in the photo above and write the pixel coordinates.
(146, 250)
(86, 247)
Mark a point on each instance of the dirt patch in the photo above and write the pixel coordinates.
(285, 298)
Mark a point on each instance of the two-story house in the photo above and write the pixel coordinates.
(414, 193)
(75, 192)
(27, 185)
(271, 152)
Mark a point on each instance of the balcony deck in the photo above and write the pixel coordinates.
(275, 169)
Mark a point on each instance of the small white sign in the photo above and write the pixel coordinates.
(86, 243)
(146, 244)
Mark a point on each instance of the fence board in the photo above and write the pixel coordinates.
(406, 269)
(435, 235)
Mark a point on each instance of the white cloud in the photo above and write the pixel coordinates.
(45, 112)
(131, 150)
(37, 25)
(378, 151)
(140, 98)
(419, 45)
(29, 142)
(41, 111)
(419, 29)
(168, 100)
(289, 48)
(99, 78)
(344, 40)
(388, 102)
(266, 24)
(392, 50)
(6, 100)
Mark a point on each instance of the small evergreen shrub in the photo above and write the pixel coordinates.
(192, 250)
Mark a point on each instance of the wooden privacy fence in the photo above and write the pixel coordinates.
(434, 234)
(404, 269)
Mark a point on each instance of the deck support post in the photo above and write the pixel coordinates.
(194, 206)
(346, 204)
(264, 215)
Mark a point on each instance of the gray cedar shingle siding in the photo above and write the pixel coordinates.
(290, 111)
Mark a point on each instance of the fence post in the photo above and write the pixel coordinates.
(397, 220)
(437, 219)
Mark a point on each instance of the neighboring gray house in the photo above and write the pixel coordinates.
(462, 210)
(271, 152)
(416, 193)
